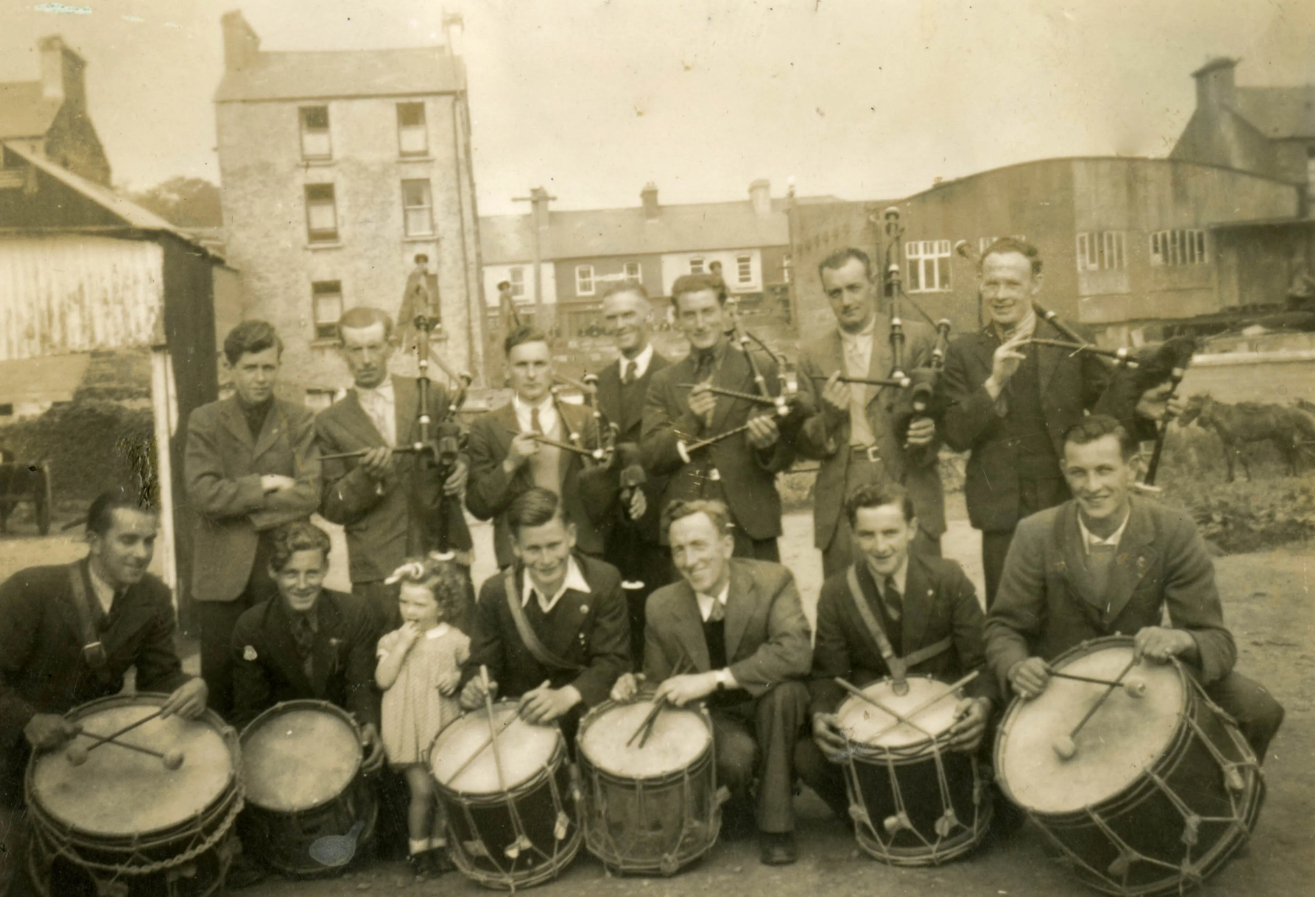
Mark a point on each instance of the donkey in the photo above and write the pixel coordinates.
(1290, 429)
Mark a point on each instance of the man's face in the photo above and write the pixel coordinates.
(302, 578)
(529, 368)
(851, 293)
(545, 551)
(1008, 287)
(121, 556)
(626, 315)
(701, 553)
(701, 318)
(883, 535)
(366, 352)
(254, 375)
(1100, 478)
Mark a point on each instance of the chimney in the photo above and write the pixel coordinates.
(61, 71)
(1214, 83)
(241, 43)
(649, 196)
(539, 204)
(760, 194)
(454, 26)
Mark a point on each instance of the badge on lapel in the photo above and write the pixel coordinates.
(249, 653)
(584, 608)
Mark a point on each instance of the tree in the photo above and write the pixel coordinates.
(184, 202)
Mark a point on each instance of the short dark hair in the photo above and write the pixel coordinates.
(100, 516)
(626, 286)
(297, 535)
(697, 283)
(1098, 426)
(535, 507)
(520, 335)
(877, 495)
(361, 317)
(717, 512)
(250, 337)
(1006, 245)
(841, 257)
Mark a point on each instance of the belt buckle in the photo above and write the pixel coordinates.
(873, 453)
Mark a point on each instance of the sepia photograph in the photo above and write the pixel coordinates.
(660, 447)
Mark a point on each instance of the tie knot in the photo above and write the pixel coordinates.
(717, 612)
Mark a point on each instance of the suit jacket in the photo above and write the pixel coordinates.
(767, 637)
(748, 476)
(1046, 603)
(222, 468)
(629, 419)
(939, 602)
(267, 668)
(491, 490)
(589, 629)
(825, 438)
(389, 521)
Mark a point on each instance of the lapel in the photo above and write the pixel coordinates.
(68, 606)
(325, 650)
(741, 606)
(733, 373)
(1135, 556)
(689, 628)
(918, 605)
(283, 648)
(682, 372)
(1076, 577)
(882, 360)
(236, 422)
(1048, 357)
(983, 349)
(269, 431)
(609, 394)
(573, 419)
(354, 420)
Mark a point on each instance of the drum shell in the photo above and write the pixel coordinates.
(55, 875)
(655, 824)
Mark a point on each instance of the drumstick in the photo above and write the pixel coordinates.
(1136, 688)
(930, 701)
(861, 695)
(1065, 746)
(479, 750)
(646, 727)
(124, 731)
(493, 731)
(172, 759)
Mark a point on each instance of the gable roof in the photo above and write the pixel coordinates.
(24, 110)
(1279, 112)
(342, 73)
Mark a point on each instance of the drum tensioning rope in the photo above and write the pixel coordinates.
(1065, 746)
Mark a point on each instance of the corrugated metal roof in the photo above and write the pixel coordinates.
(24, 110)
(1279, 112)
(50, 378)
(342, 73)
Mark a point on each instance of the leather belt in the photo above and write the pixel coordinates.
(870, 453)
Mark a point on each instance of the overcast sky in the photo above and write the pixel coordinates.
(593, 98)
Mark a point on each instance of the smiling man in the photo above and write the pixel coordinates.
(1111, 563)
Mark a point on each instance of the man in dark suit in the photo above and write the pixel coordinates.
(386, 502)
(68, 634)
(506, 460)
(856, 432)
(550, 629)
(1109, 563)
(251, 464)
(737, 630)
(1009, 401)
(921, 611)
(739, 471)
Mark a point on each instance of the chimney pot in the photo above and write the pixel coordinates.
(1215, 87)
(649, 195)
(61, 70)
(241, 43)
(760, 194)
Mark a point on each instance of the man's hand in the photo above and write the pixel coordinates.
(1156, 403)
(472, 696)
(1030, 677)
(1159, 644)
(523, 447)
(827, 735)
(638, 506)
(377, 462)
(374, 758)
(970, 717)
(922, 430)
(680, 690)
(456, 481)
(448, 682)
(702, 401)
(276, 482)
(1004, 364)
(188, 700)
(835, 396)
(763, 432)
(626, 687)
(544, 705)
(48, 731)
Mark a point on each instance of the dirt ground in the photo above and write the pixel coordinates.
(1268, 600)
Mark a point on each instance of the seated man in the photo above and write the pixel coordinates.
(1108, 563)
(68, 633)
(737, 630)
(551, 629)
(890, 612)
(308, 642)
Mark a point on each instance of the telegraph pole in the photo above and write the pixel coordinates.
(538, 200)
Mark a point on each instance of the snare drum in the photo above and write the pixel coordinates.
(1162, 788)
(651, 808)
(914, 802)
(511, 812)
(120, 822)
(302, 764)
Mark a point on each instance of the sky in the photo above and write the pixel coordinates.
(861, 99)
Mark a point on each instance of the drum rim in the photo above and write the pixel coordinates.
(481, 797)
(305, 704)
(584, 760)
(898, 754)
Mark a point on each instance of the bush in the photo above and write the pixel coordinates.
(1241, 517)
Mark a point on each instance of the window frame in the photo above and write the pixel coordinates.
(516, 277)
(929, 255)
(304, 131)
(325, 289)
(427, 207)
(589, 279)
(698, 264)
(633, 277)
(743, 270)
(1181, 247)
(422, 129)
(313, 234)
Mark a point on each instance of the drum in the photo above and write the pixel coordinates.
(650, 808)
(302, 764)
(1160, 788)
(113, 821)
(913, 801)
(511, 804)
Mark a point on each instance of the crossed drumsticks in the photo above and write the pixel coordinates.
(904, 719)
(77, 755)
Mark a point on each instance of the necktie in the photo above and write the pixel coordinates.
(627, 372)
(303, 635)
(703, 366)
(535, 425)
(894, 602)
(718, 611)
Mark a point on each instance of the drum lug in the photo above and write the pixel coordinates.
(668, 865)
(476, 848)
(1191, 830)
(1122, 863)
(859, 814)
(514, 849)
(562, 827)
(723, 794)
(1233, 779)
(897, 823)
(946, 825)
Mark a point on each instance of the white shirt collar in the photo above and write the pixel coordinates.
(864, 335)
(104, 591)
(705, 601)
(384, 390)
(438, 631)
(547, 413)
(574, 580)
(1090, 539)
(640, 362)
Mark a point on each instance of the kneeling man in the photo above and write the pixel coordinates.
(737, 630)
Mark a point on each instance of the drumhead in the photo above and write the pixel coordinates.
(121, 792)
(865, 723)
(524, 749)
(299, 755)
(1120, 742)
(678, 738)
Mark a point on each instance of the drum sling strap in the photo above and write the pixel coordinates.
(89, 614)
(897, 666)
(532, 643)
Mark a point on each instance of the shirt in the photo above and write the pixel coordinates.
(104, 591)
(381, 407)
(858, 362)
(574, 580)
(638, 365)
(901, 577)
(1090, 539)
(547, 414)
(706, 602)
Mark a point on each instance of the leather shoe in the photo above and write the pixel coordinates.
(777, 848)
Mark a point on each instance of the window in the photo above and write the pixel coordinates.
(1178, 247)
(787, 263)
(929, 265)
(1101, 251)
(696, 265)
(326, 307)
(321, 213)
(516, 276)
(633, 272)
(744, 268)
(584, 280)
(412, 136)
(315, 133)
(417, 207)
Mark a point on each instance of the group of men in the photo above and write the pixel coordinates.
(676, 577)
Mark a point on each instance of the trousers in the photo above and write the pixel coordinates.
(756, 739)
